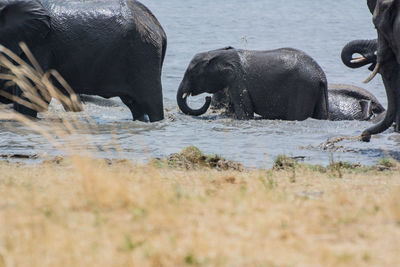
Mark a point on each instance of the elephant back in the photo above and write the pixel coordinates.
(357, 93)
(146, 23)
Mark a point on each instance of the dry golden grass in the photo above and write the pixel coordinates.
(85, 212)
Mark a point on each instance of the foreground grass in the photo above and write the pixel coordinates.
(81, 212)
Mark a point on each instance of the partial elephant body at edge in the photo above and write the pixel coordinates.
(109, 48)
(386, 18)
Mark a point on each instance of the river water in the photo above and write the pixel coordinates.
(320, 28)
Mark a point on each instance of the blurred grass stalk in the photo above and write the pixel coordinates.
(39, 87)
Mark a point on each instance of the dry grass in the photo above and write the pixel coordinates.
(83, 212)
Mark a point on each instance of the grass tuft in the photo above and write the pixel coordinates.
(192, 158)
(283, 162)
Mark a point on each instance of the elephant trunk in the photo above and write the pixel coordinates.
(366, 48)
(182, 102)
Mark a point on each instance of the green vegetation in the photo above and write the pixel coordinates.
(192, 158)
(335, 168)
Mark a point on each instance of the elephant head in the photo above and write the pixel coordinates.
(208, 72)
(387, 22)
(21, 21)
(367, 50)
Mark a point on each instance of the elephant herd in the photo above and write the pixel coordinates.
(116, 48)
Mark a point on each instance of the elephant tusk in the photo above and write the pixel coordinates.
(185, 95)
(373, 74)
(358, 60)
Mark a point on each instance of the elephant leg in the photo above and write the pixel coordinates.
(68, 99)
(397, 117)
(148, 95)
(143, 94)
(136, 110)
(41, 102)
(27, 111)
(391, 78)
(242, 103)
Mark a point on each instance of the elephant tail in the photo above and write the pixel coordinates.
(164, 49)
(321, 111)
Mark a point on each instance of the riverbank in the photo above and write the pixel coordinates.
(84, 212)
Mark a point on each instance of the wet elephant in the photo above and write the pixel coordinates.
(386, 17)
(106, 47)
(284, 84)
(346, 102)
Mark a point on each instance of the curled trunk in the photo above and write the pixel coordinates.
(182, 103)
(366, 48)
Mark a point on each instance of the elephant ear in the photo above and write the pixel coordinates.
(384, 15)
(23, 21)
(371, 5)
(223, 66)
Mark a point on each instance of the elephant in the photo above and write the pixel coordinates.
(284, 84)
(386, 18)
(109, 48)
(346, 102)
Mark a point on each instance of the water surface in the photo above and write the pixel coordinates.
(320, 28)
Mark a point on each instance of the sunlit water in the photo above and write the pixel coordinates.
(321, 28)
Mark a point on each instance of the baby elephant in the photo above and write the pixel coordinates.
(284, 84)
(348, 102)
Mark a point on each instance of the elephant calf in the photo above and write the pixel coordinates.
(347, 102)
(284, 84)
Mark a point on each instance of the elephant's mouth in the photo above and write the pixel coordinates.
(186, 95)
(360, 59)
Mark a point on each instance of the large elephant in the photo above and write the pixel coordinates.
(284, 84)
(105, 47)
(386, 17)
(346, 102)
